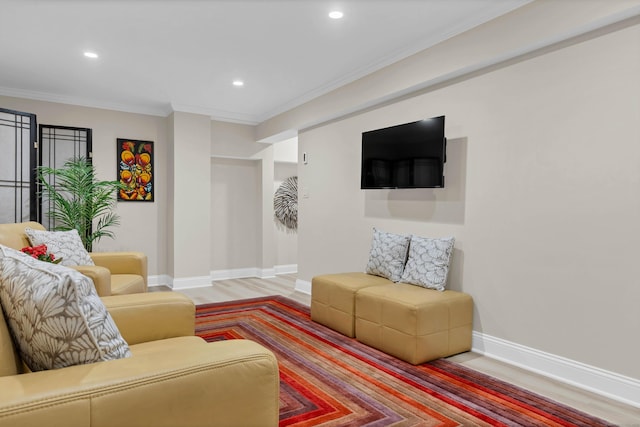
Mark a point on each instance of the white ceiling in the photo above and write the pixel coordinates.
(157, 56)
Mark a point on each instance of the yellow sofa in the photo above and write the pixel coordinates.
(115, 273)
(172, 378)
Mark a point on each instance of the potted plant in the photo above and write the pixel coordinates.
(80, 200)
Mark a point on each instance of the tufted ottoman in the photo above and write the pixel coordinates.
(413, 323)
(333, 298)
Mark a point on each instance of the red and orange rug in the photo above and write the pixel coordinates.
(330, 380)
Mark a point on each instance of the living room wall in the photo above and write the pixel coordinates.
(146, 226)
(542, 195)
(246, 240)
(143, 224)
(235, 219)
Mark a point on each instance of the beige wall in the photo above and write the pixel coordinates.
(235, 207)
(183, 146)
(286, 151)
(143, 225)
(542, 195)
(234, 140)
(244, 235)
(191, 198)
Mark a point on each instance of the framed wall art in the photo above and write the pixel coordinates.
(135, 170)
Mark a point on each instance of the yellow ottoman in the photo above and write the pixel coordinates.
(333, 298)
(412, 323)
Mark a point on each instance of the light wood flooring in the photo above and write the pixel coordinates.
(607, 409)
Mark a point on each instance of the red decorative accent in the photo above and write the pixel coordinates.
(40, 252)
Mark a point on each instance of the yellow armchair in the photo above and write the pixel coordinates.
(114, 273)
(172, 378)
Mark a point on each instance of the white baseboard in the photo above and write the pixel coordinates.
(303, 286)
(241, 273)
(262, 273)
(266, 273)
(191, 282)
(160, 280)
(286, 269)
(236, 273)
(614, 386)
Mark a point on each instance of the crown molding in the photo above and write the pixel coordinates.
(159, 110)
(214, 114)
(409, 50)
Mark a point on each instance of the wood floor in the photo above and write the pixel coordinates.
(607, 409)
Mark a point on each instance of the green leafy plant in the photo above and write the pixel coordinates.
(80, 200)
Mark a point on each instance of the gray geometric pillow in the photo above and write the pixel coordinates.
(388, 255)
(428, 263)
(55, 315)
(63, 244)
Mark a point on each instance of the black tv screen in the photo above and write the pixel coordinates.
(411, 155)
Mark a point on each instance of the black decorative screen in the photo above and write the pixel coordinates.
(18, 200)
(57, 145)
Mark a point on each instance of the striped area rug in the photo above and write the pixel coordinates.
(330, 380)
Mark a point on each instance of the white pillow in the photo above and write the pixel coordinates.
(388, 255)
(55, 315)
(428, 262)
(62, 244)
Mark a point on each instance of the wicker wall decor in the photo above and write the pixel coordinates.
(285, 204)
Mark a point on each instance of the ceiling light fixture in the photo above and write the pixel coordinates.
(238, 83)
(91, 55)
(336, 14)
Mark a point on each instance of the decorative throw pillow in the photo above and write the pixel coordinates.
(63, 244)
(55, 315)
(388, 255)
(428, 263)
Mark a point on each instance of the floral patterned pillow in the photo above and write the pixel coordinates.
(428, 262)
(63, 244)
(388, 255)
(55, 315)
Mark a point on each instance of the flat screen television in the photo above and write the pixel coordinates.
(411, 155)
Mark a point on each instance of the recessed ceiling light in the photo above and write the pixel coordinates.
(336, 14)
(92, 55)
(238, 83)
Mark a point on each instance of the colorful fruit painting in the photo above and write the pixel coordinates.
(135, 170)
(128, 157)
